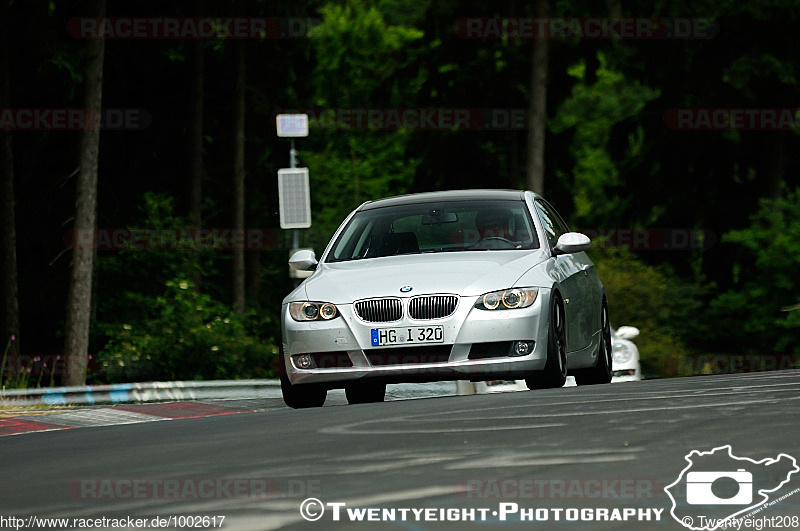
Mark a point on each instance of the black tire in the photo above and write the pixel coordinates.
(300, 396)
(601, 372)
(365, 392)
(554, 373)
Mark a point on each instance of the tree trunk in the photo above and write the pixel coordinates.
(196, 149)
(775, 164)
(9, 316)
(79, 297)
(238, 177)
(514, 170)
(196, 191)
(537, 107)
(254, 276)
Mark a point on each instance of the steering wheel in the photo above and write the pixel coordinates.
(489, 238)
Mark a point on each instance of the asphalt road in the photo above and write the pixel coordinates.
(612, 446)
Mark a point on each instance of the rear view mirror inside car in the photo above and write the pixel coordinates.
(435, 217)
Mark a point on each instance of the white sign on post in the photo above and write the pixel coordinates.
(292, 125)
(294, 198)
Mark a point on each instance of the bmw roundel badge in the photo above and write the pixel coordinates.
(405, 289)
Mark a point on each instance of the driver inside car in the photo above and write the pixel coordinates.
(494, 223)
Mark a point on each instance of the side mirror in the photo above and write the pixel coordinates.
(572, 242)
(627, 332)
(304, 260)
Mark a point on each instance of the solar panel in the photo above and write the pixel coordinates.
(294, 198)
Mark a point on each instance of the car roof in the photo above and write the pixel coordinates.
(451, 195)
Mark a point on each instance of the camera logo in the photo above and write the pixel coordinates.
(717, 487)
(700, 488)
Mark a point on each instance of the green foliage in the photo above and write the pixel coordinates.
(653, 299)
(351, 165)
(764, 302)
(158, 326)
(751, 67)
(153, 259)
(34, 372)
(184, 335)
(144, 265)
(591, 112)
(372, 166)
(356, 44)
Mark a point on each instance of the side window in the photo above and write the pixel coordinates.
(553, 225)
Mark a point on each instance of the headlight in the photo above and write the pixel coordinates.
(312, 311)
(507, 299)
(622, 353)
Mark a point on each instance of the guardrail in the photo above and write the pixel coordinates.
(141, 392)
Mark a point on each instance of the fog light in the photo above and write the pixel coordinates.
(521, 348)
(303, 361)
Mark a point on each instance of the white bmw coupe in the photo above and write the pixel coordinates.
(460, 285)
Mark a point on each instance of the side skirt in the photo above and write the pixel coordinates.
(585, 357)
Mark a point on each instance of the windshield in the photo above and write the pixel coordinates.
(435, 228)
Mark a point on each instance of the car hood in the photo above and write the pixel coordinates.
(464, 273)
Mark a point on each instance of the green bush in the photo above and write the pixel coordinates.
(153, 324)
(184, 335)
(765, 301)
(654, 300)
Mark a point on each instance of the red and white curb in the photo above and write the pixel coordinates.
(246, 396)
(113, 415)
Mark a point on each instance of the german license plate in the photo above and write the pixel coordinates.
(407, 336)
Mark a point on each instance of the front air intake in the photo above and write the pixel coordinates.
(432, 306)
(379, 310)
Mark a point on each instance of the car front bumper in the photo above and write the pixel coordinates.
(472, 348)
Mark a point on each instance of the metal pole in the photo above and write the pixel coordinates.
(293, 164)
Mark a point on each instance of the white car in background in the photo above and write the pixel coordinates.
(625, 356)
